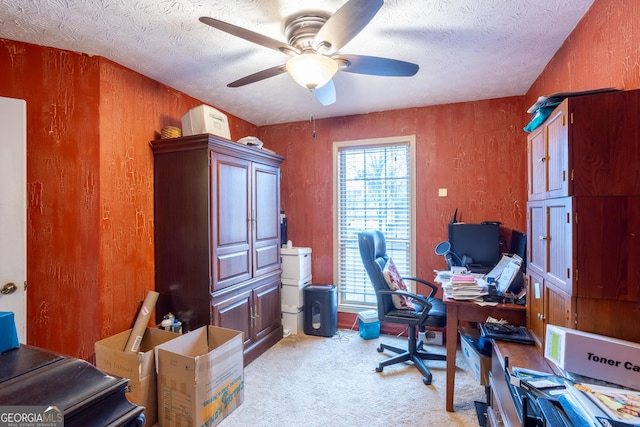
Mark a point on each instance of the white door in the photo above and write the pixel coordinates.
(13, 211)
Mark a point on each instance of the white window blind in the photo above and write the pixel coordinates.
(373, 191)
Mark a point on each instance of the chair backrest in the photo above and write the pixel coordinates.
(373, 251)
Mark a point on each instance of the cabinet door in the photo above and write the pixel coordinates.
(535, 306)
(558, 307)
(546, 304)
(265, 219)
(235, 312)
(536, 163)
(560, 242)
(537, 241)
(231, 237)
(267, 302)
(557, 162)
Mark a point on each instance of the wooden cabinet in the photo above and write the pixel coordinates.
(550, 227)
(245, 217)
(254, 311)
(547, 304)
(588, 146)
(548, 157)
(217, 236)
(583, 217)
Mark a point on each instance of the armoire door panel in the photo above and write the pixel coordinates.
(557, 153)
(537, 241)
(560, 229)
(558, 307)
(268, 308)
(265, 257)
(235, 313)
(266, 206)
(232, 268)
(535, 306)
(233, 199)
(231, 221)
(537, 164)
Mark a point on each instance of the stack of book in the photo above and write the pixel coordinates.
(465, 287)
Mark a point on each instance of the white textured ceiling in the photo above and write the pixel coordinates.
(466, 49)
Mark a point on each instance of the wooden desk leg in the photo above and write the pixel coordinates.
(452, 346)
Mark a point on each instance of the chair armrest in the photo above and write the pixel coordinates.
(433, 287)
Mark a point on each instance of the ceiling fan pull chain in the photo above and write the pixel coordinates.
(313, 121)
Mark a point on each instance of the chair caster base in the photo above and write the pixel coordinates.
(380, 349)
(378, 368)
(426, 381)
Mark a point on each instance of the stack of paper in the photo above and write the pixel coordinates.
(465, 287)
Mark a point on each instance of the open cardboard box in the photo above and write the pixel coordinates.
(200, 377)
(139, 368)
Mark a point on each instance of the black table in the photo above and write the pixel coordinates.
(87, 396)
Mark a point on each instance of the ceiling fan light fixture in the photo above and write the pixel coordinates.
(311, 70)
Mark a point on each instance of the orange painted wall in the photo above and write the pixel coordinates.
(476, 150)
(62, 93)
(90, 189)
(602, 51)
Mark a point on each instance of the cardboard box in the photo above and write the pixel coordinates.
(200, 377)
(292, 320)
(296, 263)
(292, 294)
(479, 363)
(592, 355)
(8, 331)
(139, 368)
(429, 337)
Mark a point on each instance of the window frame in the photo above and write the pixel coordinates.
(410, 141)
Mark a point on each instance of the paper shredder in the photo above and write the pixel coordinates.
(320, 310)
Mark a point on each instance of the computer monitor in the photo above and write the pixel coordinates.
(478, 243)
(519, 247)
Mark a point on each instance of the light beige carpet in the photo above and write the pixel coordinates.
(316, 381)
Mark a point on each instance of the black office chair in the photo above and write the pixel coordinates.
(429, 311)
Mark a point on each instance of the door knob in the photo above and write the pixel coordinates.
(8, 288)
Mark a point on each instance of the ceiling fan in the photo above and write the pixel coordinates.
(314, 38)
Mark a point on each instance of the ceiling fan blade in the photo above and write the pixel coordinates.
(375, 66)
(345, 24)
(250, 36)
(326, 95)
(260, 75)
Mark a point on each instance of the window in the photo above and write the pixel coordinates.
(374, 188)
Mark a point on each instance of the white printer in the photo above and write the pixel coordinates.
(205, 119)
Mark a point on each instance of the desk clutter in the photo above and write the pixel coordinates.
(504, 281)
(544, 399)
(595, 381)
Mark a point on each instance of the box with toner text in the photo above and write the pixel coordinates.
(139, 368)
(597, 356)
(200, 377)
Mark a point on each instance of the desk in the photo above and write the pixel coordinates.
(467, 311)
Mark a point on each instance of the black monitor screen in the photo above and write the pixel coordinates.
(480, 242)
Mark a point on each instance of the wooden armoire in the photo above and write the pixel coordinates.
(583, 217)
(217, 237)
